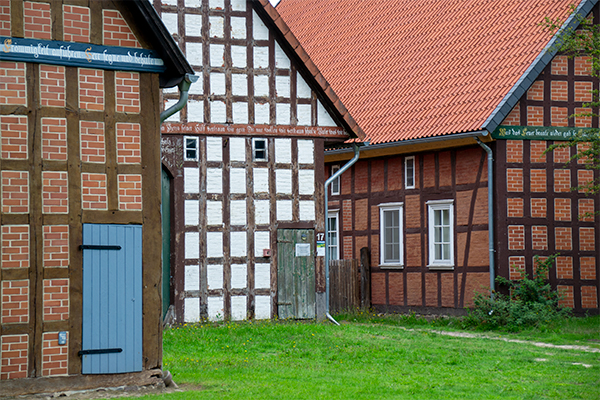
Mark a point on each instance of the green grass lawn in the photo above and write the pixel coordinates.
(372, 357)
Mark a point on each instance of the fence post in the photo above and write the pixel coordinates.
(365, 278)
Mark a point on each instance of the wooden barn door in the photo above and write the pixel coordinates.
(112, 299)
(296, 273)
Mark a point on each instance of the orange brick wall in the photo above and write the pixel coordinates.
(15, 192)
(52, 85)
(92, 141)
(37, 21)
(76, 24)
(116, 31)
(15, 246)
(127, 87)
(56, 246)
(54, 138)
(14, 136)
(15, 302)
(129, 147)
(55, 357)
(55, 192)
(14, 356)
(93, 191)
(56, 299)
(91, 89)
(130, 192)
(5, 18)
(12, 83)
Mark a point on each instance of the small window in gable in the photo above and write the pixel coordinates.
(259, 150)
(409, 172)
(335, 184)
(191, 148)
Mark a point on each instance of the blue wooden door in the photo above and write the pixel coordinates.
(112, 299)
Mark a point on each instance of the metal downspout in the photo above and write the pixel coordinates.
(490, 160)
(327, 183)
(184, 87)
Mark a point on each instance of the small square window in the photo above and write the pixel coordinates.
(409, 172)
(335, 184)
(259, 149)
(191, 148)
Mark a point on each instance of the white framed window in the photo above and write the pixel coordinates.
(259, 150)
(391, 250)
(333, 234)
(441, 233)
(190, 151)
(409, 172)
(335, 184)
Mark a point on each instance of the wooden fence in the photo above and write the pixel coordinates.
(350, 283)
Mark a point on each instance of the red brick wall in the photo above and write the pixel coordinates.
(76, 24)
(56, 299)
(14, 356)
(93, 191)
(54, 138)
(129, 147)
(52, 85)
(14, 136)
(15, 246)
(56, 246)
(15, 192)
(5, 18)
(12, 83)
(37, 21)
(55, 198)
(130, 192)
(15, 302)
(91, 89)
(116, 31)
(55, 357)
(92, 141)
(127, 87)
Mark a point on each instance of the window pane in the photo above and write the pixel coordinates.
(446, 251)
(437, 235)
(446, 234)
(438, 252)
(446, 217)
(437, 217)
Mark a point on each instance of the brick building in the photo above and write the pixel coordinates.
(80, 173)
(430, 99)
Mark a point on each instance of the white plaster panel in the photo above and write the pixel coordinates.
(238, 56)
(238, 28)
(191, 309)
(261, 241)
(238, 244)
(304, 114)
(189, 3)
(217, 83)
(237, 180)
(216, 55)
(260, 30)
(261, 212)
(239, 276)
(172, 90)
(283, 181)
(262, 276)
(193, 53)
(215, 308)
(169, 2)
(261, 180)
(214, 244)
(284, 210)
(262, 307)
(191, 180)
(283, 151)
(238, 308)
(192, 277)
(237, 212)
(175, 117)
(217, 4)
(214, 148)
(302, 89)
(170, 21)
(306, 151)
(307, 210)
(282, 86)
(214, 212)
(192, 245)
(306, 181)
(237, 149)
(283, 114)
(214, 276)
(218, 112)
(240, 113)
(262, 114)
(323, 117)
(239, 84)
(261, 57)
(192, 212)
(195, 111)
(282, 61)
(238, 5)
(214, 180)
(261, 85)
(216, 26)
(197, 87)
(193, 25)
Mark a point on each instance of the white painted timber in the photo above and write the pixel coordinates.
(237, 180)
(260, 30)
(192, 212)
(215, 308)
(239, 276)
(214, 180)
(238, 308)
(192, 277)
(195, 111)
(193, 53)
(190, 3)
(261, 180)
(238, 5)
(237, 215)
(323, 117)
(218, 112)
(238, 27)
(262, 212)
(240, 113)
(304, 114)
(175, 117)
(237, 244)
(261, 85)
(262, 114)
(193, 25)
(217, 4)
(283, 181)
(191, 309)
(302, 89)
(306, 181)
(214, 148)
(170, 21)
(283, 151)
(192, 245)
(237, 149)
(261, 241)
(217, 56)
(282, 86)
(214, 244)
(262, 307)
(214, 276)
(262, 276)
(261, 57)
(191, 180)
(217, 83)
(283, 113)
(239, 84)
(284, 210)
(214, 212)
(306, 151)
(216, 27)
(307, 210)
(238, 56)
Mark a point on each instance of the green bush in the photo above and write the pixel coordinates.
(531, 302)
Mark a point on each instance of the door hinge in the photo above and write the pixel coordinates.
(99, 247)
(100, 351)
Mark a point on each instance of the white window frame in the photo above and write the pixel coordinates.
(185, 148)
(383, 263)
(437, 205)
(334, 250)
(266, 149)
(406, 174)
(336, 182)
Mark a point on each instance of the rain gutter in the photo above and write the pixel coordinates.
(184, 87)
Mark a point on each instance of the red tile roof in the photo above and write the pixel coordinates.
(408, 69)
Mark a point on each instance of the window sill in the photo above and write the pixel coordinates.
(391, 266)
(441, 267)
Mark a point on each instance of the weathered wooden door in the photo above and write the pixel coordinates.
(112, 299)
(296, 273)
(165, 209)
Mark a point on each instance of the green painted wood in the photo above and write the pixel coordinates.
(295, 274)
(166, 245)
